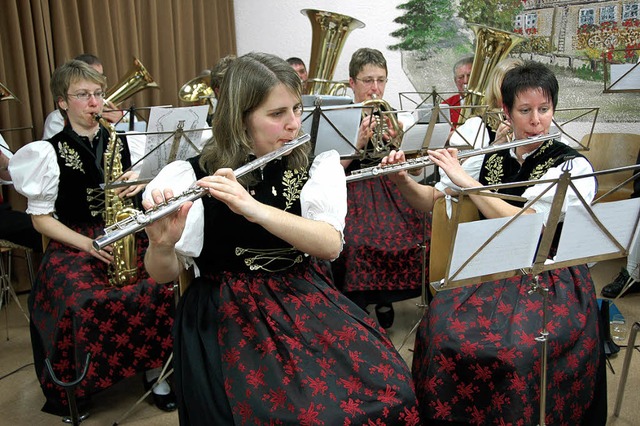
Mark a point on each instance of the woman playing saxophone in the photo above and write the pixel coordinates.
(74, 309)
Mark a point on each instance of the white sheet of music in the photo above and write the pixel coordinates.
(345, 118)
(513, 248)
(625, 76)
(158, 147)
(582, 238)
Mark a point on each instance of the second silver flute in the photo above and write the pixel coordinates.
(139, 220)
(417, 163)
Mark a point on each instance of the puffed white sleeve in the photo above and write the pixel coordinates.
(35, 173)
(179, 176)
(585, 186)
(324, 196)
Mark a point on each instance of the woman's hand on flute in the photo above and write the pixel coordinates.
(166, 232)
(447, 160)
(396, 157)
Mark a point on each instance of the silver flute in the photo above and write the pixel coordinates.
(139, 220)
(419, 162)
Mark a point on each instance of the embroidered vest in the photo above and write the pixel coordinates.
(232, 243)
(80, 198)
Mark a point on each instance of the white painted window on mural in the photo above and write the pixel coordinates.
(587, 17)
(530, 20)
(517, 23)
(607, 14)
(630, 11)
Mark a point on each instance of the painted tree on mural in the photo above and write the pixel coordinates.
(428, 25)
(497, 13)
(425, 24)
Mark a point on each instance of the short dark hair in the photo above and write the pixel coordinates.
(366, 56)
(88, 58)
(530, 75)
(296, 61)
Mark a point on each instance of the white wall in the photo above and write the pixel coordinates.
(278, 27)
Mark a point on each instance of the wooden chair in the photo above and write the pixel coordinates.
(612, 150)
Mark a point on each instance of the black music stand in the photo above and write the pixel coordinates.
(332, 123)
(184, 125)
(590, 232)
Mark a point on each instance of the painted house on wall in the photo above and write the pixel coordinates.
(574, 29)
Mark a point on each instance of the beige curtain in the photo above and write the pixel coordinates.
(174, 39)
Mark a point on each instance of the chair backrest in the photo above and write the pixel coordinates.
(611, 150)
(442, 233)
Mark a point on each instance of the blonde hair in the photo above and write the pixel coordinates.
(246, 85)
(493, 96)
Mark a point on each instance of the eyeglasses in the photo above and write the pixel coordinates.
(85, 96)
(370, 81)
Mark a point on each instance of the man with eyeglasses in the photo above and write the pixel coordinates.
(55, 121)
(380, 262)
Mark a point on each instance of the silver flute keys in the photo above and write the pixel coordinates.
(139, 220)
(419, 162)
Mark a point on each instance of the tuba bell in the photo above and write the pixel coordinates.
(6, 95)
(328, 33)
(136, 79)
(492, 46)
(197, 90)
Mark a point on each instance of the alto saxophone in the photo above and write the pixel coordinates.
(124, 268)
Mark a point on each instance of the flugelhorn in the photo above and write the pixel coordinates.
(139, 220)
(328, 33)
(420, 162)
(136, 79)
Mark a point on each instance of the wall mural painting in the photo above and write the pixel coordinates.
(579, 40)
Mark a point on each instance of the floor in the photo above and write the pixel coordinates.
(21, 399)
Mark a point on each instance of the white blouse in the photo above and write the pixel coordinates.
(580, 166)
(36, 175)
(323, 198)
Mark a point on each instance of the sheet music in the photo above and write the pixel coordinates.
(159, 147)
(581, 237)
(515, 247)
(344, 118)
(620, 81)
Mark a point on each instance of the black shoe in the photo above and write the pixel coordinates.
(385, 314)
(612, 290)
(164, 402)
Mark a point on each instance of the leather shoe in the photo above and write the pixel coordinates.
(165, 402)
(385, 314)
(614, 289)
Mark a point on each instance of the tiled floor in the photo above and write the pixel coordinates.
(21, 399)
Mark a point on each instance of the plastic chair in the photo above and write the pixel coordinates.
(6, 288)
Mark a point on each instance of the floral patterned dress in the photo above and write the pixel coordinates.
(264, 338)
(74, 310)
(477, 360)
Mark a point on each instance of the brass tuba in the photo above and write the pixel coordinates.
(328, 33)
(124, 268)
(492, 46)
(6, 95)
(381, 110)
(197, 90)
(136, 79)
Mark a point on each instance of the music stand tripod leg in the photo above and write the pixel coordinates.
(70, 388)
